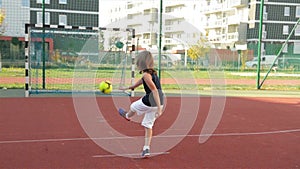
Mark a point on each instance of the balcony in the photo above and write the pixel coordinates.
(215, 23)
(213, 8)
(174, 8)
(175, 28)
(233, 36)
(233, 20)
(237, 3)
(216, 38)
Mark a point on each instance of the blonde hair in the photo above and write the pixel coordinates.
(145, 61)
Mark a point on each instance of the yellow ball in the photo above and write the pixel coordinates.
(105, 87)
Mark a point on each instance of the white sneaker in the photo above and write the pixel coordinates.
(145, 153)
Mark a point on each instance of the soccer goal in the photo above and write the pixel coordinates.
(72, 59)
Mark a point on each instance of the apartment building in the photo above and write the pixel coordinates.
(181, 22)
(279, 19)
(16, 15)
(57, 12)
(226, 22)
(12, 29)
(65, 12)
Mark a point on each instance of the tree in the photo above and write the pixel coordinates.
(244, 55)
(2, 17)
(195, 52)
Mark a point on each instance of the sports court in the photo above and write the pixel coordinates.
(231, 84)
(253, 132)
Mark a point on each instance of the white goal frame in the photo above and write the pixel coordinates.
(27, 38)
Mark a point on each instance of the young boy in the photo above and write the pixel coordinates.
(151, 103)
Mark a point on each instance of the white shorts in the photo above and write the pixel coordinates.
(140, 108)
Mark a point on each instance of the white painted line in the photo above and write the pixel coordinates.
(122, 155)
(255, 133)
(62, 139)
(43, 140)
(166, 136)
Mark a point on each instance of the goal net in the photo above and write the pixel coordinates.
(68, 59)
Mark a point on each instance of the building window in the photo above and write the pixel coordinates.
(297, 31)
(298, 11)
(62, 19)
(40, 18)
(129, 16)
(286, 11)
(41, 1)
(296, 48)
(25, 3)
(62, 2)
(285, 30)
(285, 49)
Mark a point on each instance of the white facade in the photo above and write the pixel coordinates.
(181, 22)
(223, 22)
(16, 15)
(226, 22)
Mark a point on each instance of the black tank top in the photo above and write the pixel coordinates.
(148, 99)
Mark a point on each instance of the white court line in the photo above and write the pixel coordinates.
(255, 133)
(43, 140)
(169, 136)
(132, 155)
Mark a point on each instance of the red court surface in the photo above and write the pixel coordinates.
(252, 133)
